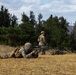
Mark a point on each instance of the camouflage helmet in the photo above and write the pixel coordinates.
(28, 46)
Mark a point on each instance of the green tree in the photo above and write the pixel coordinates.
(74, 31)
(13, 21)
(4, 17)
(39, 18)
(27, 28)
(32, 18)
(3, 35)
(73, 37)
(40, 25)
(56, 31)
(14, 36)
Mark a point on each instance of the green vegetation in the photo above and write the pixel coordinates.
(14, 34)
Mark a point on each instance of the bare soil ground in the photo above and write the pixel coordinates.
(43, 65)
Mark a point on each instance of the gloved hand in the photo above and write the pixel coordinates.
(33, 51)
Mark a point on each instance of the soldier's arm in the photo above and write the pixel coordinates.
(27, 55)
(22, 51)
(44, 40)
(12, 54)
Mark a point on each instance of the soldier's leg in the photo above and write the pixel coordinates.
(43, 52)
(40, 48)
(4, 56)
(10, 55)
(15, 53)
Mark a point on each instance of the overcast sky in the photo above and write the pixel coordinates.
(65, 8)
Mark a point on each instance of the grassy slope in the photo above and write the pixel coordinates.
(43, 65)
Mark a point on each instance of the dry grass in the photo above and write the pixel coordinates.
(6, 49)
(43, 65)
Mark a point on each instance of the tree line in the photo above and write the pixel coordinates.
(15, 34)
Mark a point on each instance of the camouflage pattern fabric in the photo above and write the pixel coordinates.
(26, 52)
(42, 42)
(4, 56)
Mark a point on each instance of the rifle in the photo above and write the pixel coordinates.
(39, 49)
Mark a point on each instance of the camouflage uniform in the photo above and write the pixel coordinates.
(4, 56)
(42, 41)
(26, 52)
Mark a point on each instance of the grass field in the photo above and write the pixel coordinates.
(43, 65)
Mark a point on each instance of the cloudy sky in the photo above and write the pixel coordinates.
(66, 8)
